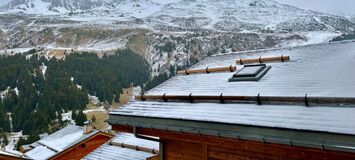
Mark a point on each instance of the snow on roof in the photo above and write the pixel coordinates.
(59, 141)
(319, 70)
(324, 70)
(128, 138)
(11, 153)
(40, 153)
(109, 152)
(65, 137)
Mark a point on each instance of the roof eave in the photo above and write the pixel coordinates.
(302, 138)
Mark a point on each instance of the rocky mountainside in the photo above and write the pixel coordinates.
(172, 34)
(222, 15)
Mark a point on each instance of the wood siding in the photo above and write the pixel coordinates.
(182, 146)
(155, 157)
(82, 149)
(6, 157)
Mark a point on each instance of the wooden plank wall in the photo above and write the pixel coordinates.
(6, 157)
(155, 157)
(182, 150)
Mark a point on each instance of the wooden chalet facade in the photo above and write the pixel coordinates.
(70, 143)
(299, 109)
(83, 148)
(178, 145)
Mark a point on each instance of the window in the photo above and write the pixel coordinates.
(250, 73)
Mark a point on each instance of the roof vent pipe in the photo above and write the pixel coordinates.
(88, 127)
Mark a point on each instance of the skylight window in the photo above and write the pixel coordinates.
(250, 73)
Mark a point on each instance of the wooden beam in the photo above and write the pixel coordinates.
(263, 60)
(138, 148)
(208, 70)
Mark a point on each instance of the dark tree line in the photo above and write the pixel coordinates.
(38, 105)
(349, 36)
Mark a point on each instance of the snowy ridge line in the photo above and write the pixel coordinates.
(223, 15)
(283, 48)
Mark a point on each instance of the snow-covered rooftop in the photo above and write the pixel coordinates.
(58, 141)
(111, 152)
(127, 138)
(65, 137)
(11, 153)
(40, 153)
(319, 71)
(323, 70)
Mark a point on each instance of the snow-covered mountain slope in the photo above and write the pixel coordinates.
(220, 15)
(50, 7)
(137, 8)
(166, 34)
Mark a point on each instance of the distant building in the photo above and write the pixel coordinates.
(71, 142)
(298, 109)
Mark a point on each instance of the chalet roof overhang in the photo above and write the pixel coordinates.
(291, 137)
(69, 148)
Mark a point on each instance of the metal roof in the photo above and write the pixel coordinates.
(109, 151)
(128, 138)
(58, 141)
(324, 70)
(40, 153)
(12, 154)
(318, 71)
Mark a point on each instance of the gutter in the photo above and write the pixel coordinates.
(161, 144)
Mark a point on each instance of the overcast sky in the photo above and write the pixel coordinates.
(341, 7)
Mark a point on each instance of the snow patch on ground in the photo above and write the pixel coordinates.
(136, 92)
(14, 51)
(67, 116)
(100, 109)
(16, 91)
(4, 92)
(320, 37)
(43, 69)
(93, 99)
(13, 139)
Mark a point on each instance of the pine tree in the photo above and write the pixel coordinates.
(20, 142)
(5, 140)
(80, 118)
(93, 118)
